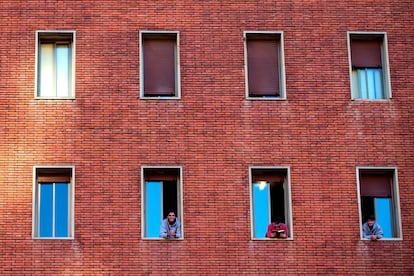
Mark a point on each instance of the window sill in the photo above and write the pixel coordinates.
(160, 98)
(272, 239)
(265, 98)
(383, 239)
(371, 100)
(162, 239)
(55, 98)
(51, 238)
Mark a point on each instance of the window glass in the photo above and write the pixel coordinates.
(153, 208)
(46, 210)
(46, 70)
(61, 209)
(62, 70)
(261, 208)
(383, 214)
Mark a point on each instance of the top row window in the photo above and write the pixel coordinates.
(369, 66)
(55, 64)
(160, 65)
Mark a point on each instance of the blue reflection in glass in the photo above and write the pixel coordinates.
(62, 70)
(54, 210)
(370, 83)
(153, 208)
(383, 215)
(61, 209)
(46, 210)
(261, 210)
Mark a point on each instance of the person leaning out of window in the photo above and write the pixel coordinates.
(277, 229)
(170, 227)
(372, 230)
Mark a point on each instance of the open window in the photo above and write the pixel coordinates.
(160, 72)
(264, 65)
(369, 66)
(378, 191)
(270, 197)
(161, 188)
(53, 199)
(55, 64)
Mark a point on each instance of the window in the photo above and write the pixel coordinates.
(55, 64)
(369, 66)
(378, 192)
(53, 202)
(270, 197)
(159, 65)
(161, 188)
(264, 65)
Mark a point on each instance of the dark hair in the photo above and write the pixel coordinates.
(371, 217)
(171, 211)
(276, 219)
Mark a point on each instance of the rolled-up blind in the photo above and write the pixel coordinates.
(375, 185)
(263, 67)
(366, 54)
(159, 66)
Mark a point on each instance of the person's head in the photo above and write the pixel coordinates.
(276, 220)
(371, 220)
(171, 216)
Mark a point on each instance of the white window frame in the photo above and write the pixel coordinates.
(72, 64)
(288, 202)
(282, 74)
(180, 207)
(395, 199)
(71, 234)
(385, 65)
(177, 65)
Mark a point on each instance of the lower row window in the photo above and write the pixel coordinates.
(162, 193)
(270, 199)
(378, 191)
(53, 202)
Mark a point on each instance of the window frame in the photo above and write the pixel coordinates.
(281, 65)
(288, 202)
(71, 202)
(71, 70)
(180, 207)
(177, 95)
(386, 79)
(395, 198)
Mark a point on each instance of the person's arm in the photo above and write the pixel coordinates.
(379, 233)
(366, 236)
(163, 230)
(284, 227)
(269, 231)
(178, 232)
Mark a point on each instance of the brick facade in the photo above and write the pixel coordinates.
(213, 132)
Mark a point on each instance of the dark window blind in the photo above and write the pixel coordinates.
(263, 67)
(159, 66)
(375, 185)
(366, 54)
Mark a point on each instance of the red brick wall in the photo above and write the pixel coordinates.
(213, 132)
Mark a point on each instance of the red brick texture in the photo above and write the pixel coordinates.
(107, 132)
